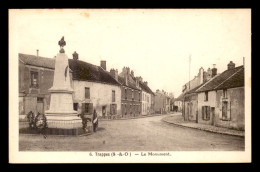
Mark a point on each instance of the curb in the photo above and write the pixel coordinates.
(202, 129)
(144, 116)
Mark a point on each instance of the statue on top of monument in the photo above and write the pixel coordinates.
(62, 43)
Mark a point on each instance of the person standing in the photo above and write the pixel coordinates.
(95, 120)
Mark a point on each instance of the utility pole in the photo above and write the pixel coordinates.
(189, 70)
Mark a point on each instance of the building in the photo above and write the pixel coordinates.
(130, 92)
(190, 97)
(148, 102)
(35, 78)
(94, 88)
(221, 99)
(178, 103)
(162, 102)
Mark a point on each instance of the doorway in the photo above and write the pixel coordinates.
(103, 111)
(213, 115)
(40, 106)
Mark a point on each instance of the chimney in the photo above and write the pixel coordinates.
(145, 83)
(132, 73)
(103, 64)
(137, 82)
(114, 74)
(231, 65)
(141, 79)
(75, 55)
(157, 91)
(37, 53)
(126, 79)
(214, 70)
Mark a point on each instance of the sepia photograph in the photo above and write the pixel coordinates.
(129, 85)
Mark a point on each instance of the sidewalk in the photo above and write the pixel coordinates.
(177, 119)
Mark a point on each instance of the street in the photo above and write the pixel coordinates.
(143, 134)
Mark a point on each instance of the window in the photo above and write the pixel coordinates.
(39, 99)
(225, 93)
(132, 94)
(206, 113)
(139, 96)
(125, 94)
(113, 96)
(75, 106)
(34, 79)
(87, 108)
(87, 93)
(113, 109)
(225, 114)
(206, 96)
(125, 110)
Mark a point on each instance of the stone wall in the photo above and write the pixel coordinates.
(235, 100)
(100, 96)
(211, 102)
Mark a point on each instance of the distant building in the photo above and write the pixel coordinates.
(178, 102)
(130, 93)
(147, 97)
(162, 102)
(190, 97)
(221, 99)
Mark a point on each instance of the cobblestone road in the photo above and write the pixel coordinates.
(143, 134)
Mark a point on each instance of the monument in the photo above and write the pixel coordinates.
(61, 118)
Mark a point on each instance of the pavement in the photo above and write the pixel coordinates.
(143, 134)
(130, 117)
(178, 120)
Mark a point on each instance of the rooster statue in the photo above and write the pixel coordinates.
(62, 43)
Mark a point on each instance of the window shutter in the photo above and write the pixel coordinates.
(115, 108)
(111, 109)
(208, 112)
(203, 112)
(83, 108)
(91, 110)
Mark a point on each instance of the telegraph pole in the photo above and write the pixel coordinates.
(189, 70)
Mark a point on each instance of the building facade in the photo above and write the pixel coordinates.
(131, 96)
(221, 100)
(94, 88)
(190, 96)
(162, 102)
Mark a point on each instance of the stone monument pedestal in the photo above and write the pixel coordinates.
(61, 118)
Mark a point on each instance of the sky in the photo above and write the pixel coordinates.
(154, 43)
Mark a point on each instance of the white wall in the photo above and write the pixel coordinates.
(100, 95)
(145, 103)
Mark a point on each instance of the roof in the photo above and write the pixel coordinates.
(193, 90)
(180, 97)
(146, 88)
(228, 79)
(82, 71)
(37, 61)
(130, 84)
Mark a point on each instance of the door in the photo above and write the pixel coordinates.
(103, 111)
(40, 105)
(224, 110)
(213, 115)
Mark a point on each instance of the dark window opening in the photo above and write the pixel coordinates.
(87, 92)
(34, 79)
(113, 96)
(75, 106)
(206, 96)
(39, 99)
